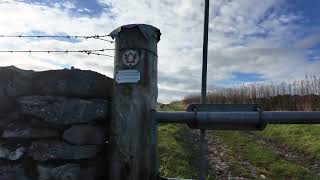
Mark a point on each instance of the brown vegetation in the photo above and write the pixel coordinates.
(301, 95)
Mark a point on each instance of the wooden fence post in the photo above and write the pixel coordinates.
(133, 133)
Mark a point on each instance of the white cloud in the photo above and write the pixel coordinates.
(250, 36)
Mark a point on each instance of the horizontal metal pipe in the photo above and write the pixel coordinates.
(207, 117)
(268, 117)
(227, 117)
(291, 117)
(175, 117)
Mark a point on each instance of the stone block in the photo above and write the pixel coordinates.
(12, 172)
(14, 82)
(56, 150)
(72, 83)
(62, 110)
(29, 132)
(67, 172)
(85, 134)
(12, 153)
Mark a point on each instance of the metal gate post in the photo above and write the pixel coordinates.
(133, 146)
(203, 140)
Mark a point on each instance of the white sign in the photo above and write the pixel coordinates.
(127, 76)
(130, 58)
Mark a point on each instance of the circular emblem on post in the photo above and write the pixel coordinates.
(130, 58)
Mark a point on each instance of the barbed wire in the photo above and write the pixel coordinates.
(99, 54)
(86, 51)
(105, 40)
(97, 37)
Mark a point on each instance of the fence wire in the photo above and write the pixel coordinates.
(97, 52)
(97, 37)
(86, 51)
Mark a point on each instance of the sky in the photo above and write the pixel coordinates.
(249, 40)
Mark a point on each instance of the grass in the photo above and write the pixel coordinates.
(173, 106)
(304, 138)
(175, 149)
(177, 153)
(266, 162)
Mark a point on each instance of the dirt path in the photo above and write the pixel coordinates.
(218, 160)
(289, 154)
(225, 166)
(223, 163)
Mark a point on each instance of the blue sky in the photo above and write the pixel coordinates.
(90, 8)
(308, 9)
(247, 77)
(249, 40)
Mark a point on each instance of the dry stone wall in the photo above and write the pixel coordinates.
(53, 124)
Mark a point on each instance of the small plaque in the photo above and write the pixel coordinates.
(127, 76)
(130, 58)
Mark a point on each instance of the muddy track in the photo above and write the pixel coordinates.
(223, 166)
(289, 154)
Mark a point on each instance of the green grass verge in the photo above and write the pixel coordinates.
(173, 106)
(305, 138)
(266, 162)
(175, 150)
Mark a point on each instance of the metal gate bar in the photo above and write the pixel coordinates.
(214, 118)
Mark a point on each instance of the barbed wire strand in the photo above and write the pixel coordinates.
(88, 52)
(105, 40)
(99, 54)
(98, 37)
